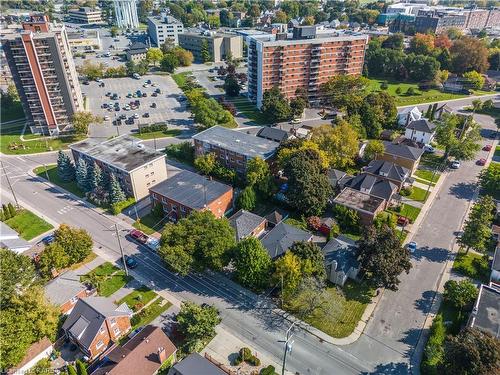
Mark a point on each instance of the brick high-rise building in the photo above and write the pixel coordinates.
(39, 57)
(305, 60)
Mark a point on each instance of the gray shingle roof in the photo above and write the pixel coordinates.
(282, 237)
(124, 152)
(137, 48)
(403, 151)
(244, 223)
(422, 125)
(334, 175)
(191, 189)
(372, 185)
(195, 364)
(274, 134)
(388, 169)
(89, 314)
(238, 142)
(343, 251)
(486, 313)
(496, 260)
(63, 288)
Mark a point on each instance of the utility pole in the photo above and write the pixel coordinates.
(46, 172)
(121, 250)
(288, 346)
(10, 185)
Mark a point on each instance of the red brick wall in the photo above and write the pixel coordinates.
(108, 334)
(68, 305)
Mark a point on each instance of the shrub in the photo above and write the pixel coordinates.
(245, 353)
(411, 91)
(269, 370)
(488, 104)
(237, 361)
(183, 151)
(348, 219)
(406, 191)
(398, 90)
(153, 128)
(118, 207)
(253, 360)
(384, 86)
(433, 352)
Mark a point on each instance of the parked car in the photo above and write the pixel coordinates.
(48, 239)
(123, 116)
(487, 148)
(154, 94)
(144, 94)
(108, 94)
(412, 246)
(153, 105)
(403, 221)
(145, 114)
(106, 118)
(136, 115)
(130, 261)
(455, 164)
(295, 121)
(136, 75)
(158, 91)
(429, 148)
(153, 244)
(481, 161)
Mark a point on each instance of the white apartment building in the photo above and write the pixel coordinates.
(164, 27)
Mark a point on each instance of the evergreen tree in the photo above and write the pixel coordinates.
(6, 212)
(71, 370)
(116, 193)
(80, 367)
(433, 111)
(82, 175)
(65, 167)
(12, 210)
(429, 111)
(95, 178)
(205, 53)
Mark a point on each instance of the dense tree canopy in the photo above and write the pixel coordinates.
(199, 241)
(477, 227)
(252, 263)
(468, 54)
(275, 106)
(197, 324)
(459, 135)
(312, 259)
(77, 243)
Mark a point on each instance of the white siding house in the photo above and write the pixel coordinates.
(420, 131)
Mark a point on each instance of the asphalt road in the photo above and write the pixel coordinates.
(244, 314)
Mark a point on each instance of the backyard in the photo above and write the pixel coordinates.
(403, 99)
(28, 225)
(350, 303)
(107, 278)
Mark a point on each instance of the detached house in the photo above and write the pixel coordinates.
(95, 323)
(395, 173)
(408, 115)
(420, 131)
(403, 155)
(247, 224)
(375, 186)
(282, 237)
(65, 291)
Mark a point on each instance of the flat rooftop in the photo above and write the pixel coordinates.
(486, 313)
(238, 142)
(191, 189)
(358, 200)
(124, 152)
(323, 37)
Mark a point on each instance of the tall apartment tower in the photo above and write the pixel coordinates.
(126, 13)
(303, 60)
(39, 57)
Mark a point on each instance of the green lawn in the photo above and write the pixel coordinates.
(497, 152)
(418, 194)
(181, 78)
(147, 315)
(109, 278)
(431, 160)
(13, 112)
(249, 110)
(420, 96)
(159, 134)
(349, 306)
(51, 171)
(427, 175)
(28, 225)
(11, 144)
(472, 265)
(138, 298)
(105, 269)
(408, 211)
(150, 223)
(89, 258)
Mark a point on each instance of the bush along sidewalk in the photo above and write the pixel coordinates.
(245, 355)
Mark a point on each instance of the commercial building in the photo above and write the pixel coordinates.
(43, 71)
(164, 27)
(137, 52)
(85, 40)
(137, 167)
(437, 21)
(233, 149)
(126, 13)
(302, 60)
(187, 191)
(86, 15)
(219, 45)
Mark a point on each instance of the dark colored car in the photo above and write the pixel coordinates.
(130, 261)
(48, 239)
(153, 105)
(481, 161)
(146, 114)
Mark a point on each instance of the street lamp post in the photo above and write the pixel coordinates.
(288, 346)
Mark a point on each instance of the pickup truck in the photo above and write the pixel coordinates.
(138, 236)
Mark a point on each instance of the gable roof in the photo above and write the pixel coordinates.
(486, 313)
(244, 223)
(282, 237)
(276, 216)
(195, 364)
(387, 169)
(33, 351)
(88, 316)
(272, 133)
(422, 125)
(343, 251)
(403, 151)
(191, 189)
(334, 176)
(139, 355)
(367, 183)
(64, 287)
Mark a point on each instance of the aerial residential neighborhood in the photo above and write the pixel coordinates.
(250, 187)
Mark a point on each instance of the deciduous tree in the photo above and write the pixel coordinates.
(373, 149)
(460, 136)
(382, 258)
(247, 200)
(17, 274)
(197, 324)
(275, 106)
(468, 54)
(76, 242)
(82, 120)
(345, 92)
(288, 272)
(154, 55)
(460, 294)
(422, 44)
(312, 259)
(489, 179)
(205, 163)
(477, 228)
(53, 257)
(259, 176)
(252, 263)
(474, 79)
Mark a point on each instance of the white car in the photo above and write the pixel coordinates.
(106, 118)
(429, 148)
(145, 85)
(455, 164)
(295, 121)
(136, 115)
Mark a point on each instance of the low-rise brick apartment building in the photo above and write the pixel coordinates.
(302, 60)
(233, 148)
(137, 167)
(187, 191)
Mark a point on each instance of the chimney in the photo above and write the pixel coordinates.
(162, 354)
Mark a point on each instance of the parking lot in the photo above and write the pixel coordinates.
(167, 106)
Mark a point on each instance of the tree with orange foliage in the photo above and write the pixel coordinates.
(422, 44)
(442, 41)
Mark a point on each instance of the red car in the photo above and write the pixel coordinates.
(487, 148)
(138, 236)
(481, 161)
(403, 221)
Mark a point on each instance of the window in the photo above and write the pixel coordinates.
(113, 321)
(117, 331)
(101, 330)
(99, 344)
(73, 300)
